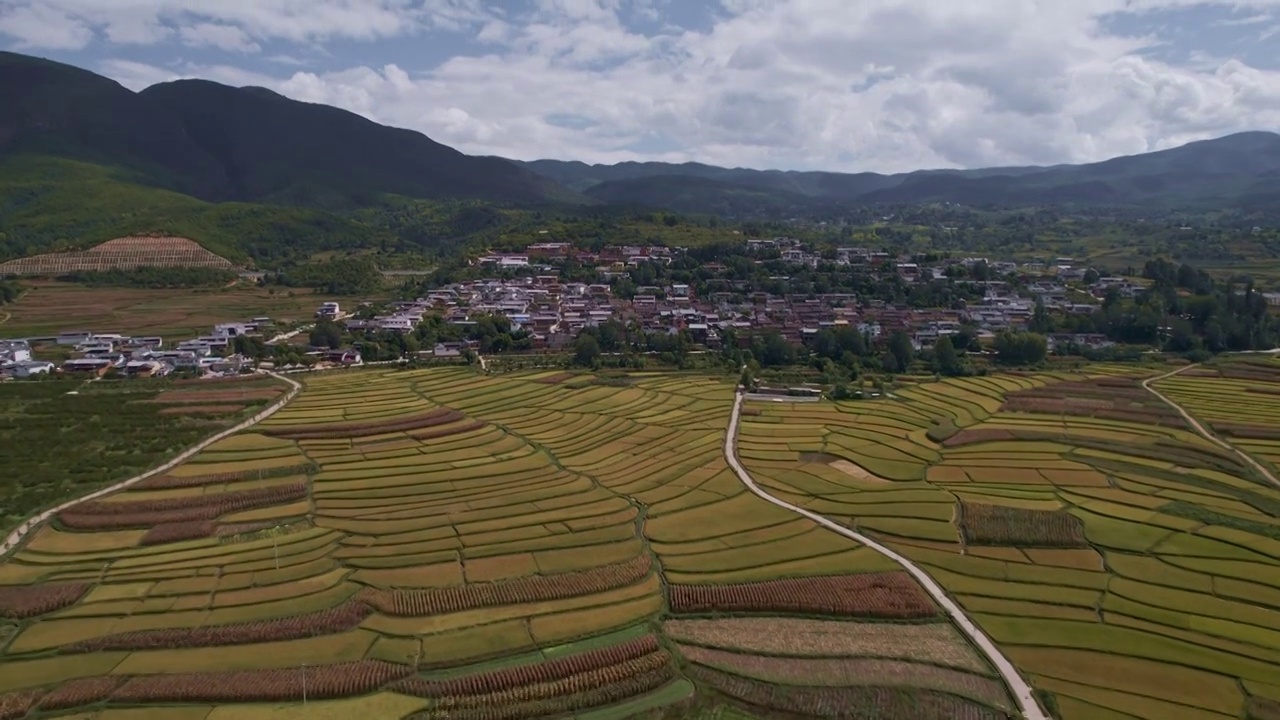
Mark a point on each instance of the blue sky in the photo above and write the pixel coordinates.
(849, 85)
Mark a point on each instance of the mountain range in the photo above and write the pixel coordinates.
(1238, 170)
(254, 173)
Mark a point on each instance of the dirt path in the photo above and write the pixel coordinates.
(1021, 690)
(20, 534)
(1204, 432)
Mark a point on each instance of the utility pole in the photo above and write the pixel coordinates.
(304, 684)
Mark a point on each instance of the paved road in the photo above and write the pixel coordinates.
(1206, 434)
(27, 528)
(1021, 690)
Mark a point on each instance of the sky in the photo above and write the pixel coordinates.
(841, 85)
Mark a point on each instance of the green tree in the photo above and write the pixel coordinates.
(326, 334)
(1040, 320)
(1020, 348)
(586, 350)
(945, 358)
(902, 351)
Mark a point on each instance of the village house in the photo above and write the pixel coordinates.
(14, 351)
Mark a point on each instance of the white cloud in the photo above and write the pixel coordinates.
(222, 37)
(872, 85)
(119, 21)
(37, 26)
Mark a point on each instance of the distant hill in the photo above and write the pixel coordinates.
(220, 143)
(1233, 171)
(686, 193)
(246, 172)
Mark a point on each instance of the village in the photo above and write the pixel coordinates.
(527, 290)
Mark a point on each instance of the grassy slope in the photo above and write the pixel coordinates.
(52, 204)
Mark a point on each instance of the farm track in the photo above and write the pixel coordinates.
(1204, 432)
(20, 534)
(1021, 690)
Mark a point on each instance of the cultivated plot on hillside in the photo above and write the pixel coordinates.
(1127, 565)
(441, 543)
(125, 253)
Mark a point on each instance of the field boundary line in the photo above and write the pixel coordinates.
(20, 533)
(1022, 692)
(1206, 434)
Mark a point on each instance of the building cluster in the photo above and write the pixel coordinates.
(554, 312)
(94, 354)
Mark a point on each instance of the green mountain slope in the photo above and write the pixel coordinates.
(51, 203)
(221, 143)
(48, 108)
(247, 172)
(279, 150)
(693, 195)
(1233, 171)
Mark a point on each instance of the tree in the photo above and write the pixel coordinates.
(1040, 320)
(326, 334)
(586, 351)
(945, 358)
(902, 351)
(966, 341)
(1020, 348)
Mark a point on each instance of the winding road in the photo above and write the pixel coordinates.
(1021, 690)
(20, 534)
(1205, 433)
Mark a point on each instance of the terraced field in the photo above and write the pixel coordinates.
(447, 544)
(1128, 566)
(1236, 398)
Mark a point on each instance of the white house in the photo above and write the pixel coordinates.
(28, 368)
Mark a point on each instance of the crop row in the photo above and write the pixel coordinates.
(439, 416)
(282, 685)
(1252, 372)
(437, 601)
(1111, 398)
(570, 685)
(846, 703)
(14, 705)
(323, 622)
(892, 594)
(215, 396)
(591, 697)
(149, 513)
(505, 679)
(1163, 450)
(19, 602)
(83, 691)
(170, 482)
(1247, 432)
(446, 432)
(177, 532)
(982, 524)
